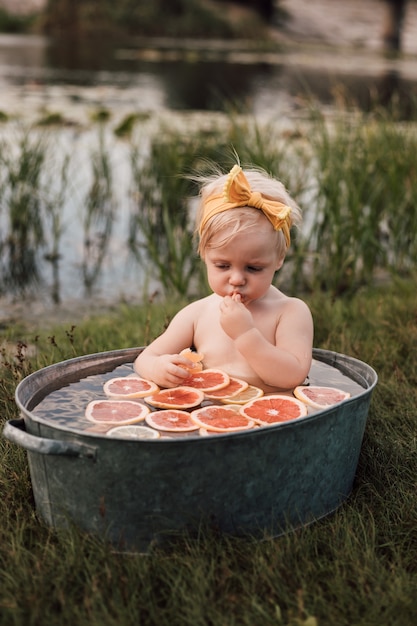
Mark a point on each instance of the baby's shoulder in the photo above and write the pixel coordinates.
(198, 306)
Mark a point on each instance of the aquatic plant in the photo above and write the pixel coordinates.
(21, 210)
(365, 200)
(99, 213)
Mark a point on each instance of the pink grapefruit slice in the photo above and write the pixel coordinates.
(235, 386)
(320, 397)
(129, 387)
(176, 398)
(221, 419)
(207, 380)
(171, 420)
(272, 409)
(116, 411)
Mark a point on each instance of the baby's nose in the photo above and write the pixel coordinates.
(236, 278)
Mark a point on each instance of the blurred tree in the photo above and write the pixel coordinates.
(140, 17)
(394, 21)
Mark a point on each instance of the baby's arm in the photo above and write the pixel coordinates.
(161, 361)
(285, 364)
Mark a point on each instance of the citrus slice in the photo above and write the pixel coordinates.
(207, 380)
(133, 431)
(221, 419)
(320, 397)
(243, 397)
(171, 420)
(195, 358)
(116, 411)
(273, 409)
(176, 398)
(129, 387)
(235, 386)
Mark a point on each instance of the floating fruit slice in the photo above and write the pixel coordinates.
(116, 411)
(235, 386)
(176, 398)
(195, 358)
(243, 397)
(129, 387)
(171, 420)
(133, 431)
(320, 397)
(207, 380)
(221, 419)
(273, 409)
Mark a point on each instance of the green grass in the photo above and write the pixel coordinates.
(357, 566)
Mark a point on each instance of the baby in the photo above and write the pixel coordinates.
(247, 327)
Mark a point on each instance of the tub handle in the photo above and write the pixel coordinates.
(15, 431)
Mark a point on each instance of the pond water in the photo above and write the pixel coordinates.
(186, 87)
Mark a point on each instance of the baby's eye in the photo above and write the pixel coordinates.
(222, 266)
(254, 268)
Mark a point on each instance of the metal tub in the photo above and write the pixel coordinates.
(136, 493)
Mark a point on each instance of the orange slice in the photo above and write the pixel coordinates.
(129, 387)
(171, 420)
(220, 419)
(208, 380)
(133, 431)
(271, 409)
(320, 397)
(235, 386)
(116, 411)
(243, 397)
(195, 358)
(176, 398)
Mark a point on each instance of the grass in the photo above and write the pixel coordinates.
(357, 566)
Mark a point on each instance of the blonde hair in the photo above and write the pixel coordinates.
(240, 219)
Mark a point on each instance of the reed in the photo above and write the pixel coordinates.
(99, 214)
(161, 223)
(21, 167)
(354, 176)
(365, 200)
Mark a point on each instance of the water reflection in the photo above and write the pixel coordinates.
(198, 80)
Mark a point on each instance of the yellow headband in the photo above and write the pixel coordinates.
(237, 193)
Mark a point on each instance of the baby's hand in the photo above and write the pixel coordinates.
(170, 370)
(235, 319)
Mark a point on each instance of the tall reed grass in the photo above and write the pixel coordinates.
(354, 176)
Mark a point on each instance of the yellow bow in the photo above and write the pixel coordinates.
(237, 193)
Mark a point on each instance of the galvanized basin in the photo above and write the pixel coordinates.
(261, 482)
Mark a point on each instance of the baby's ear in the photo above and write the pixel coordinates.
(279, 264)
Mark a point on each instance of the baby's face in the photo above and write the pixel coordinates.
(245, 265)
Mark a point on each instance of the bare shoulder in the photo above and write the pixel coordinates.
(196, 307)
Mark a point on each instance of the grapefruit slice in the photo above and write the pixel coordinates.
(195, 358)
(171, 420)
(176, 398)
(243, 397)
(221, 419)
(116, 411)
(133, 431)
(273, 409)
(320, 397)
(129, 387)
(207, 380)
(235, 386)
